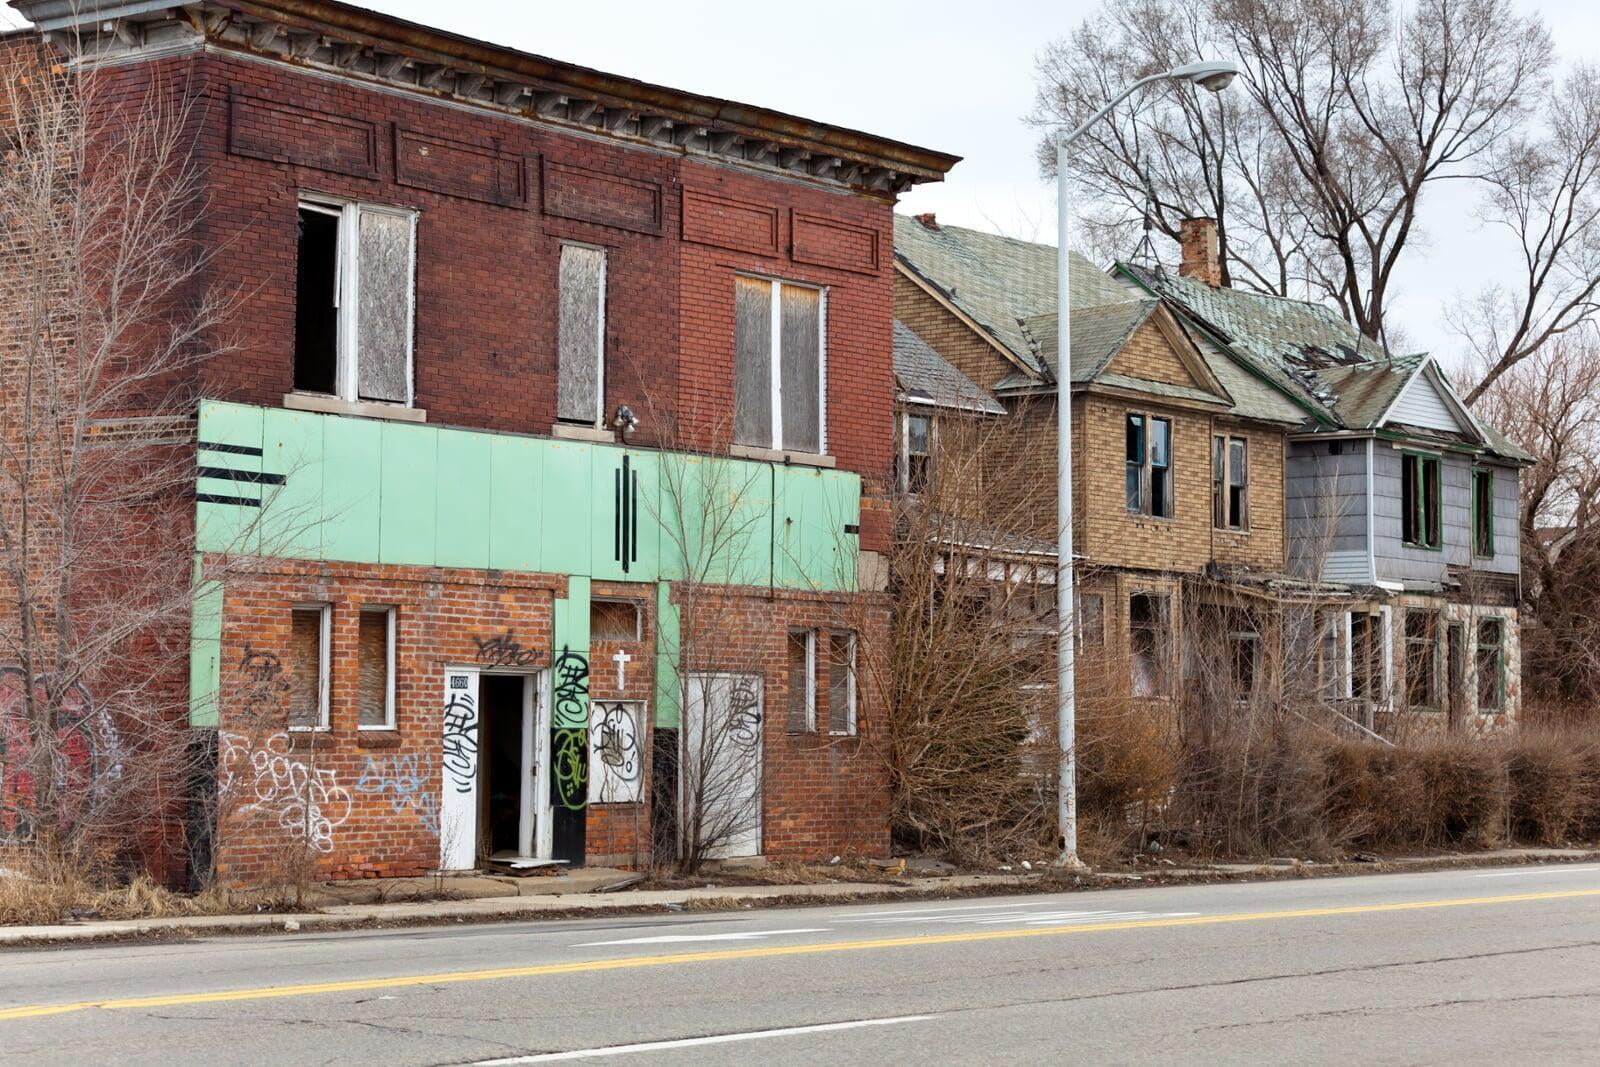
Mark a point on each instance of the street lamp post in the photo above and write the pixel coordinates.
(1215, 77)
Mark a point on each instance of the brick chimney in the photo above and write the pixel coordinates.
(1198, 239)
(927, 219)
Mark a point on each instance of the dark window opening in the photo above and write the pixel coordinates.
(613, 620)
(1149, 465)
(316, 318)
(1422, 654)
(1148, 643)
(1483, 512)
(502, 764)
(919, 453)
(1419, 500)
(1491, 666)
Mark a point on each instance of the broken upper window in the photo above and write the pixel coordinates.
(354, 301)
(1419, 500)
(613, 620)
(1482, 512)
(916, 460)
(1230, 483)
(580, 333)
(1148, 643)
(778, 329)
(1149, 466)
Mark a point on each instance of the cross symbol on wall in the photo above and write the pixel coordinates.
(621, 660)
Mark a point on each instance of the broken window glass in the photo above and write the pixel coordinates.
(1147, 643)
(801, 349)
(613, 620)
(316, 313)
(1422, 657)
(1135, 448)
(383, 322)
(1161, 468)
(579, 335)
(752, 362)
(1491, 665)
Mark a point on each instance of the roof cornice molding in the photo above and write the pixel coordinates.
(366, 46)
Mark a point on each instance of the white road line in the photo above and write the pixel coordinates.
(1554, 869)
(914, 912)
(674, 939)
(690, 1042)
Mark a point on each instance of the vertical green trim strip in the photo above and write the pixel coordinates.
(571, 622)
(205, 649)
(668, 642)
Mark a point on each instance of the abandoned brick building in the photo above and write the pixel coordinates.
(563, 398)
(1248, 471)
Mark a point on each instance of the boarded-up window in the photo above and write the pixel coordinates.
(375, 670)
(383, 319)
(752, 362)
(1091, 620)
(580, 335)
(778, 364)
(841, 682)
(308, 668)
(802, 674)
(1230, 479)
(613, 620)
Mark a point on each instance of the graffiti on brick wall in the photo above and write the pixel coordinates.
(266, 778)
(407, 781)
(569, 767)
(83, 757)
(571, 688)
(505, 651)
(616, 759)
(461, 737)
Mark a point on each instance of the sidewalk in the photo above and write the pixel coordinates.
(493, 898)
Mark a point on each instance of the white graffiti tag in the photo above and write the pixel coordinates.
(306, 801)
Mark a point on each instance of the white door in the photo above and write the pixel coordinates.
(720, 763)
(458, 787)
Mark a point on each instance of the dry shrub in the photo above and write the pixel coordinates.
(1552, 786)
(1126, 765)
(1375, 800)
(1463, 788)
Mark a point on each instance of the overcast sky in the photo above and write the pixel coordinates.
(954, 76)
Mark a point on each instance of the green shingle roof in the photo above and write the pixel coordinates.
(924, 374)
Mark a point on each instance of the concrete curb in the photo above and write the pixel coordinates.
(583, 905)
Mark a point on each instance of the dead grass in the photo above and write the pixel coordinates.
(65, 897)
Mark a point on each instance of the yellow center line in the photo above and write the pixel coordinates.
(354, 985)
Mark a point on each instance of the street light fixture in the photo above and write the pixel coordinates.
(1211, 75)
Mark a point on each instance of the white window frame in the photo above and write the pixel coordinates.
(390, 616)
(850, 726)
(347, 293)
(600, 342)
(811, 678)
(324, 664)
(775, 359)
(905, 447)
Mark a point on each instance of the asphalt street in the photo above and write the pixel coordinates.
(1484, 966)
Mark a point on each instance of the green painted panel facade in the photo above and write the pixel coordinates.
(338, 488)
(205, 650)
(569, 681)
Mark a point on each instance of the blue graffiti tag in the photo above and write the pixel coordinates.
(405, 779)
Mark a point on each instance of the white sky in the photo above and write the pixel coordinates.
(932, 74)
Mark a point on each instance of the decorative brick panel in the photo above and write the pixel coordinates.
(456, 168)
(831, 243)
(285, 133)
(572, 192)
(723, 222)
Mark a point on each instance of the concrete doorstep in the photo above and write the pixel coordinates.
(579, 894)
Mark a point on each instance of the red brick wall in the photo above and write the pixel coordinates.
(822, 795)
(485, 353)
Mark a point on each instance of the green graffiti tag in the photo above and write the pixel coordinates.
(570, 767)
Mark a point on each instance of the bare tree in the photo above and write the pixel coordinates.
(1549, 402)
(1544, 189)
(102, 322)
(715, 518)
(1316, 166)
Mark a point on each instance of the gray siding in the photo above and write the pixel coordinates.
(1399, 562)
(1326, 509)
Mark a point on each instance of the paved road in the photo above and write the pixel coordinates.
(1460, 967)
